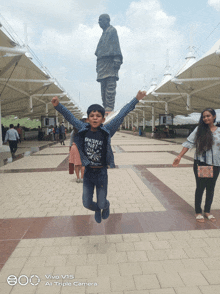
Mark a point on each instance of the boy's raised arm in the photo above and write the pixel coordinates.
(140, 95)
(55, 101)
(117, 121)
(66, 113)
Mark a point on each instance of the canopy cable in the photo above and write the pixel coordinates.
(182, 97)
(8, 78)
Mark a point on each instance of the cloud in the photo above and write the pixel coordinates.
(215, 4)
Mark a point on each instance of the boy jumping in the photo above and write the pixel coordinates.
(94, 144)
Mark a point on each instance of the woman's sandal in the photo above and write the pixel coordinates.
(211, 218)
(200, 218)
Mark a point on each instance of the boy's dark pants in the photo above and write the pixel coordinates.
(201, 185)
(95, 177)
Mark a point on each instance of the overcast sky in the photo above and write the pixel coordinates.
(64, 35)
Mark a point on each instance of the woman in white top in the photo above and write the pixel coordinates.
(206, 139)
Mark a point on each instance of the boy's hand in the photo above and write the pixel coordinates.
(55, 101)
(141, 95)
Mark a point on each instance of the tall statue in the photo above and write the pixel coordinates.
(109, 60)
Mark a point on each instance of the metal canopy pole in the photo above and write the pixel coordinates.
(137, 120)
(153, 118)
(144, 123)
(188, 102)
(31, 104)
(166, 108)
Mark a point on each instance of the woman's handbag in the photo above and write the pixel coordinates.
(71, 168)
(205, 171)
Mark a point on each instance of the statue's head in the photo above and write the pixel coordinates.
(104, 21)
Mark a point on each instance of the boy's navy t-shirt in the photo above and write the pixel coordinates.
(95, 147)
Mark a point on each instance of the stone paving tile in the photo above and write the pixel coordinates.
(157, 255)
(122, 283)
(54, 150)
(35, 162)
(193, 252)
(191, 279)
(163, 291)
(137, 292)
(172, 265)
(188, 290)
(149, 148)
(146, 282)
(169, 280)
(108, 270)
(160, 244)
(5, 288)
(213, 277)
(194, 264)
(86, 271)
(146, 158)
(212, 263)
(125, 246)
(114, 238)
(151, 267)
(131, 268)
(212, 289)
(116, 258)
(28, 289)
(143, 245)
(135, 256)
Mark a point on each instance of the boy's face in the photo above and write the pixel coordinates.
(95, 119)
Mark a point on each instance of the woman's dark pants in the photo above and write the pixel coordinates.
(201, 185)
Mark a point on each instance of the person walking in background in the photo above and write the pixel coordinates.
(3, 133)
(74, 158)
(12, 137)
(206, 139)
(65, 133)
(18, 128)
(56, 133)
(62, 134)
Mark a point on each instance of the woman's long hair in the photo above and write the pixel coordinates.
(204, 138)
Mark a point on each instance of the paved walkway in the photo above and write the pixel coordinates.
(150, 244)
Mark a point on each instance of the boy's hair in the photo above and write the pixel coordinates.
(11, 126)
(96, 107)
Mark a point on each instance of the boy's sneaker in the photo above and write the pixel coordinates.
(81, 180)
(98, 216)
(78, 180)
(106, 212)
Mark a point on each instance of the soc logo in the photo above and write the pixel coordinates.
(23, 280)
